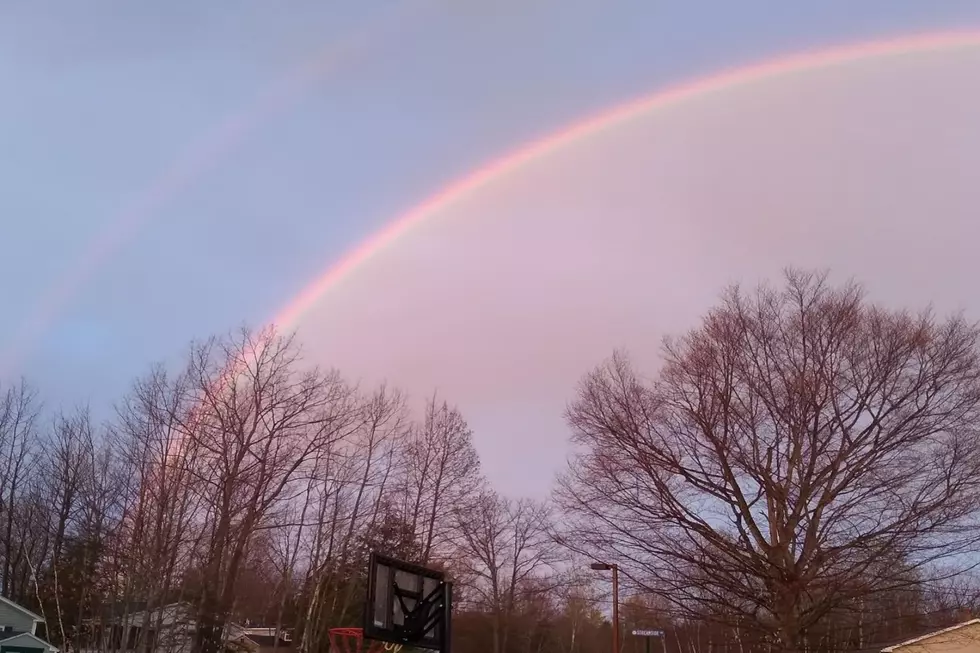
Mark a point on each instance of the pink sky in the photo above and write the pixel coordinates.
(504, 300)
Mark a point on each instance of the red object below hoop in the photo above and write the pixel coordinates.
(351, 640)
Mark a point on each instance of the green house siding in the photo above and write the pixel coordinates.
(20, 649)
(13, 615)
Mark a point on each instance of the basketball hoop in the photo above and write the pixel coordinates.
(407, 604)
(351, 640)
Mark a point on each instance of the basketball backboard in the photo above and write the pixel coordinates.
(407, 604)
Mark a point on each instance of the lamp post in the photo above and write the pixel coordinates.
(602, 566)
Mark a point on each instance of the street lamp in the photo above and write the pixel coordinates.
(603, 566)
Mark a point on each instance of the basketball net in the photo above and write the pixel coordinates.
(351, 640)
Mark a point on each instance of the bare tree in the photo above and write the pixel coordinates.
(162, 500)
(801, 449)
(506, 554)
(67, 468)
(441, 473)
(330, 488)
(19, 408)
(285, 550)
(80, 574)
(260, 420)
(382, 426)
(580, 617)
(358, 476)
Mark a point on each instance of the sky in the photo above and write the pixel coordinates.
(175, 169)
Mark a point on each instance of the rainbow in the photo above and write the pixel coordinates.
(194, 162)
(550, 145)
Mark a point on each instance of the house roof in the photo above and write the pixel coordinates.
(116, 609)
(11, 636)
(269, 641)
(18, 606)
(134, 611)
(936, 633)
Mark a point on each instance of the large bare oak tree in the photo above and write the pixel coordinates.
(800, 451)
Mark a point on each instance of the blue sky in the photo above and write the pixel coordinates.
(101, 98)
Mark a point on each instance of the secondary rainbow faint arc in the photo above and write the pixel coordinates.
(190, 165)
(618, 115)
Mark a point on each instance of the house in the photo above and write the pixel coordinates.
(18, 630)
(961, 638)
(170, 628)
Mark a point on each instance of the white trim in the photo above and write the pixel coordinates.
(893, 647)
(18, 606)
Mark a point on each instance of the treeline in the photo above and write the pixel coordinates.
(803, 474)
(253, 486)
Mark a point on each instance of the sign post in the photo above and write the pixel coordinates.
(647, 635)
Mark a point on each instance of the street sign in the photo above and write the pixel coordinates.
(648, 633)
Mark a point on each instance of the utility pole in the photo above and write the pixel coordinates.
(602, 566)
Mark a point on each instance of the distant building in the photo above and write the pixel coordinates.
(266, 642)
(18, 630)
(169, 629)
(961, 638)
